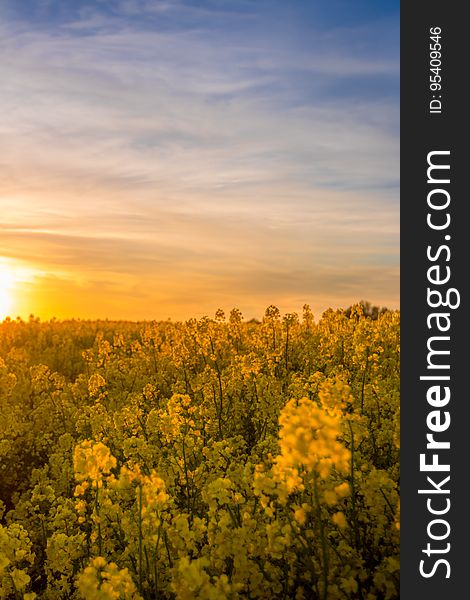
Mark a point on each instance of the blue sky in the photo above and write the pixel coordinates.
(167, 158)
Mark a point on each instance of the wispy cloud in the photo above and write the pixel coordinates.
(201, 150)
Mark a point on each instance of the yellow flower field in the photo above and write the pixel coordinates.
(211, 459)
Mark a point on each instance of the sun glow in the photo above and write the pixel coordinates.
(19, 288)
(14, 276)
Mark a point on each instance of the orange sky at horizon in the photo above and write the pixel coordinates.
(25, 292)
(111, 259)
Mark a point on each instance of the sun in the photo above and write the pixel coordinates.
(6, 286)
(17, 282)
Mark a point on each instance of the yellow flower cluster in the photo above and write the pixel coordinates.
(96, 385)
(192, 582)
(308, 441)
(149, 493)
(92, 461)
(154, 496)
(105, 581)
(179, 419)
(335, 395)
(63, 552)
(15, 553)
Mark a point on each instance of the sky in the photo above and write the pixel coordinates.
(162, 159)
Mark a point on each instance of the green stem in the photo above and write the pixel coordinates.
(155, 568)
(353, 490)
(324, 547)
(186, 477)
(140, 537)
(353, 502)
(97, 510)
(364, 375)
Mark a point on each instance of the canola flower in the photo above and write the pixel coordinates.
(92, 461)
(105, 581)
(96, 386)
(15, 555)
(308, 444)
(151, 487)
(179, 418)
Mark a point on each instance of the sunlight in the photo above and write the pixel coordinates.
(14, 275)
(18, 288)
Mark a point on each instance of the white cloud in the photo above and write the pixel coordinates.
(170, 145)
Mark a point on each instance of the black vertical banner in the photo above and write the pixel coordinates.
(435, 413)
